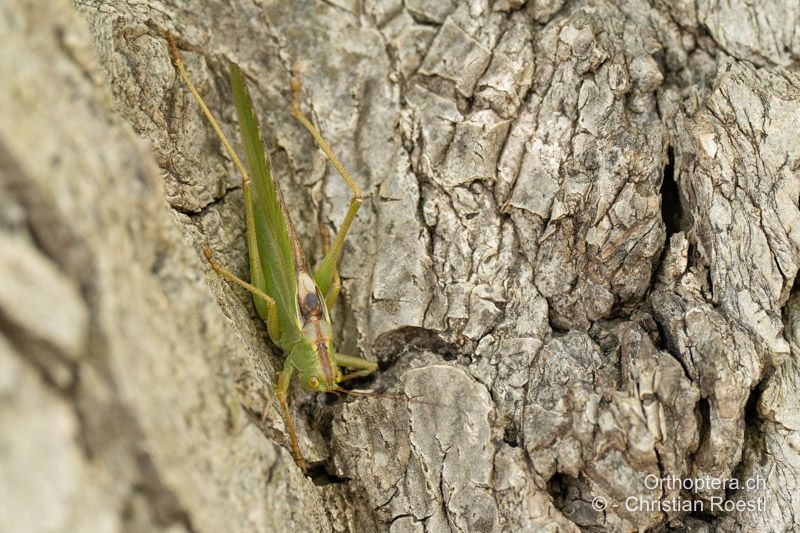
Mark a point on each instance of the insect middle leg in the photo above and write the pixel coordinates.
(327, 275)
(273, 327)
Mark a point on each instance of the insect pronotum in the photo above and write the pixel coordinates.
(294, 302)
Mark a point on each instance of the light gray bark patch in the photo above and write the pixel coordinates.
(594, 184)
(739, 167)
(725, 364)
(436, 460)
(580, 408)
(762, 34)
(771, 480)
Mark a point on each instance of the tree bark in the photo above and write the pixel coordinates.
(575, 264)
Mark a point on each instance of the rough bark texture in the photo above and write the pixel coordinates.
(577, 253)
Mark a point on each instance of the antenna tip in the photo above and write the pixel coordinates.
(173, 48)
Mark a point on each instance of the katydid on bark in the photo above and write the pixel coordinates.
(294, 302)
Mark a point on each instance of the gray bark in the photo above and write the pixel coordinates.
(576, 255)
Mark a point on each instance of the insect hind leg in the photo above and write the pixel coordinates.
(327, 276)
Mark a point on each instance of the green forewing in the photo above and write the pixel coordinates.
(272, 234)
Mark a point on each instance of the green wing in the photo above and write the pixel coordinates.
(273, 271)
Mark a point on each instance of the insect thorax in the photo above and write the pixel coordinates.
(310, 304)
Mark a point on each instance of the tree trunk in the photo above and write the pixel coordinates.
(575, 264)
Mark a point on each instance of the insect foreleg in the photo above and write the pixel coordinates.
(362, 367)
(327, 276)
(284, 380)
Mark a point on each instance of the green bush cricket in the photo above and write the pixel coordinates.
(294, 302)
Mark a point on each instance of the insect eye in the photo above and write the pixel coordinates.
(313, 383)
(339, 376)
